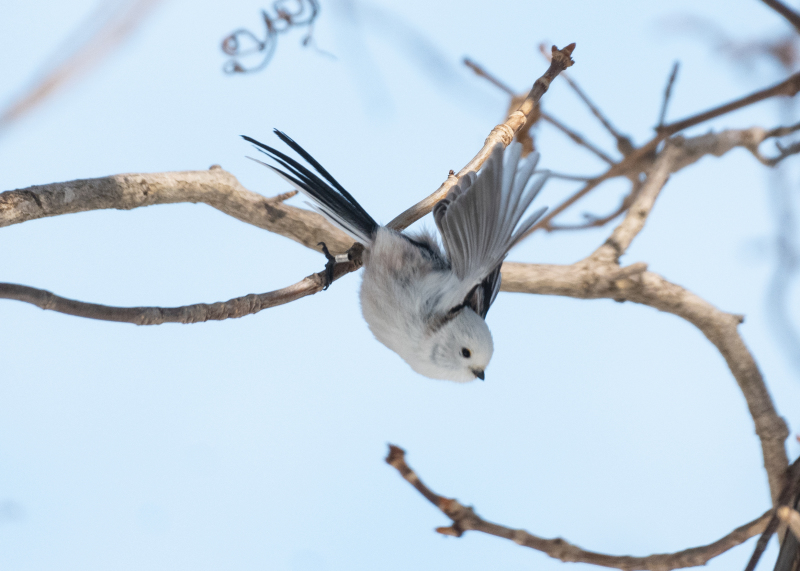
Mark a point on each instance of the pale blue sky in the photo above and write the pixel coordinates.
(258, 443)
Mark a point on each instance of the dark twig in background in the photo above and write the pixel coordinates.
(667, 94)
(791, 16)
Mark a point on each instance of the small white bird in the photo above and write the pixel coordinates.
(426, 305)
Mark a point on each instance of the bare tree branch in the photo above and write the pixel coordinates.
(576, 137)
(233, 308)
(668, 93)
(503, 133)
(624, 144)
(221, 190)
(600, 276)
(516, 101)
(782, 9)
(787, 497)
(215, 187)
(594, 221)
(481, 72)
(464, 519)
(106, 31)
(787, 88)
(594, 279)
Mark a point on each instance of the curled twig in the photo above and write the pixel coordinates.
(287, 15)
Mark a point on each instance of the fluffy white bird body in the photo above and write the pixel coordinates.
(425, 304)
(406, 297)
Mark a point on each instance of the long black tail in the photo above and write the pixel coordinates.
(334, 202)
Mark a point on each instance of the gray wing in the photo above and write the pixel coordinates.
(479, 221)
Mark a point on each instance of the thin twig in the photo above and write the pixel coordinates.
(638, 160)
(465, 519)
(481, 72)
(576, 137)
(594, 221)
(575, 177)
(788, 88)
(668, 94)
(624, 144)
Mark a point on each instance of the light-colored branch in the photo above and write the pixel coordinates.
(600, 276)
(215, 187)
(517, 100)
(465, 519)
(634, 220)
(503, 133)
(791, 518)
(594, 279)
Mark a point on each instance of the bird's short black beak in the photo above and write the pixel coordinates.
(478, 373)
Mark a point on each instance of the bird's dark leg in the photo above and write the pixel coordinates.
(331, 263)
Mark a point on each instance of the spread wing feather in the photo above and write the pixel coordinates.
(479, 221)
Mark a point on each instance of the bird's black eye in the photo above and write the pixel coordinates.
(465, 353)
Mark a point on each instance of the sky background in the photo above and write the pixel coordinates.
(258, 443)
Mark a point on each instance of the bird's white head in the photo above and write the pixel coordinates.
(459, 349)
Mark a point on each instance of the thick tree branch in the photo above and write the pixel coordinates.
(464, 519)
(594, 279)
(215, 187)
(600, 276)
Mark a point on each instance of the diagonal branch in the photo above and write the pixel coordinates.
(624, 144)
(784, 10)
(576, 137)
(464, 519)
(503, 133)
(667, 94)
(571, 133)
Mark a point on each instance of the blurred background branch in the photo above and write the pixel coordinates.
(103, 32)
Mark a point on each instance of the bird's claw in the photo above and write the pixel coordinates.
(329, 265)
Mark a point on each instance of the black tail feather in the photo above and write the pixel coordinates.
(346, 211)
